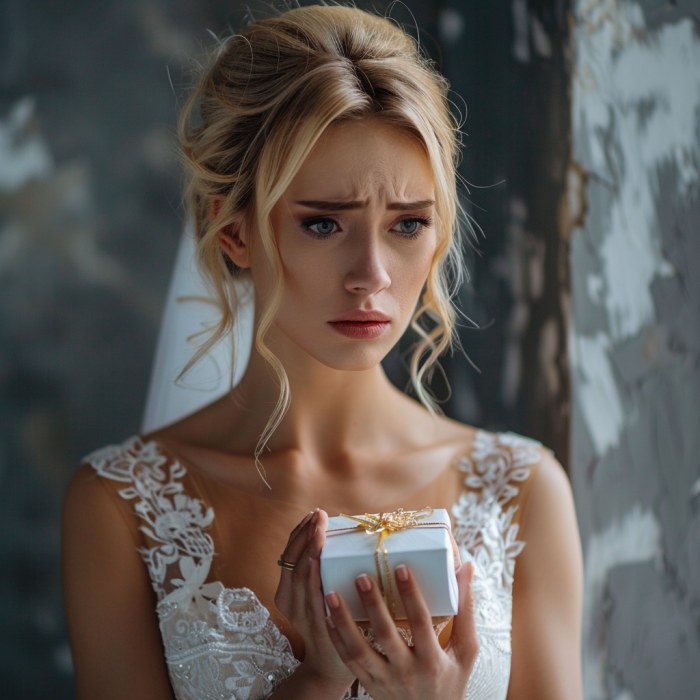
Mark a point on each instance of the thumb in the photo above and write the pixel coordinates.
(464, 642)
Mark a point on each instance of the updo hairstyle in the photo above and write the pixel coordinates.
(258, 109)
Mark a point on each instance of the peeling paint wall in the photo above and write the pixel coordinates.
(634, 343)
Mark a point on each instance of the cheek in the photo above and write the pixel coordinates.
(309, 274)
(412, 270)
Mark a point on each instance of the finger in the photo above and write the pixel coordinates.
(300, 525)
(317, 536)
(337, 641)
(344, 654)
(316, 610)
(455, 552)
(425, 640)
(360, 658)
(314, 590)
(464, 642)
(286, 600)
(301, 577)
(380, 620)
(298, 542)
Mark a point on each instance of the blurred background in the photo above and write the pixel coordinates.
(583, 146)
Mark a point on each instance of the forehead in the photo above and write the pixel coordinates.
(364, 160)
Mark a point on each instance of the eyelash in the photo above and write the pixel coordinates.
(307, 223)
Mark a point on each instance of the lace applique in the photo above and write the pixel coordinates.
(485, 532)
(221, 643)
(173, 520)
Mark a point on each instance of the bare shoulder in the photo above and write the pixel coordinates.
(547, 591)
(435, 428)
(550, 531)
(86, 497)
(459, 433)
(93, 503)
(551, 497)
(94, 518)
(106, 587)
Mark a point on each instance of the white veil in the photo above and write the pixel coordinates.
(183, 317)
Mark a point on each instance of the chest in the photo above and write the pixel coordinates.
(250, 532)
(204, 553)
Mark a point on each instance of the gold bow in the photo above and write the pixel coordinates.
(383, 524)
(390, 522)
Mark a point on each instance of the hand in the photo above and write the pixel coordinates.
(299, 598)
(405, 673)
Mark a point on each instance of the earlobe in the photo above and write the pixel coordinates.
(234, 246)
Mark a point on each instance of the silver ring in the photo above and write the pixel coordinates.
(286, 564)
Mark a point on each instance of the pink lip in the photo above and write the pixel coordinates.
(360, 330)
(361, 325)
(360, 316)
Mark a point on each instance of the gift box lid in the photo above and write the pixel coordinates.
(349, 540)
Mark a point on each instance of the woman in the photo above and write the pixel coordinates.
(322, 155)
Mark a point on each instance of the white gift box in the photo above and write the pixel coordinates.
(425, 549)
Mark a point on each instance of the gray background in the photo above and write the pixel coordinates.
(90, 217)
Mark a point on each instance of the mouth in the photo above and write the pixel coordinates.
(360, 330)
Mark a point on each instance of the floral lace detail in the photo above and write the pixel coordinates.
(221, 643)
(173, 520)
(485, 533)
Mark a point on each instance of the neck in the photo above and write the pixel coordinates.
(331, 410)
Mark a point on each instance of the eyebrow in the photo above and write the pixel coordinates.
(343, 206)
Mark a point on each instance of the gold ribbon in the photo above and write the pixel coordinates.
(384, 524)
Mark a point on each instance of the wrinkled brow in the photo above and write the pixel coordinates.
(343, 206)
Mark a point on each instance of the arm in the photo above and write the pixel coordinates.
(547, 593)
(109, 601)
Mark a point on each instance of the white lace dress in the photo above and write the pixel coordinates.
(221, 643)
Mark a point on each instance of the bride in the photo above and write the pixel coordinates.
(321, 156)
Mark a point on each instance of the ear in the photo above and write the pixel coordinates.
(230, 240)
(232, 244)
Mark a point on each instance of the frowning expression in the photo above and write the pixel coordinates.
(356, 237)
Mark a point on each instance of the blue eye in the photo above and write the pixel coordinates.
(322, 227)
(412, 228)
(408, 226)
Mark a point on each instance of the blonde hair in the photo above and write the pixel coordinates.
(256, 113)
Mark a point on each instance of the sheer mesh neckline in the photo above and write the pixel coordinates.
(222, 643)
(202, 476)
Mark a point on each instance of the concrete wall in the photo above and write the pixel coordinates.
(89, 223)
(634, 205)
(507, 62)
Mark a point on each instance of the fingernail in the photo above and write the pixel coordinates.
(333, 600)
(330, 622)
(401, 572)
(314, 520)
(364, 582)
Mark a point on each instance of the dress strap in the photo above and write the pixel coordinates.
(497, 482)
(173, 523)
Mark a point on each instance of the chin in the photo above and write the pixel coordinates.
(342, 354)
(351, 359)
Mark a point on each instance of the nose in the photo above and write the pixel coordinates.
(367, 273)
